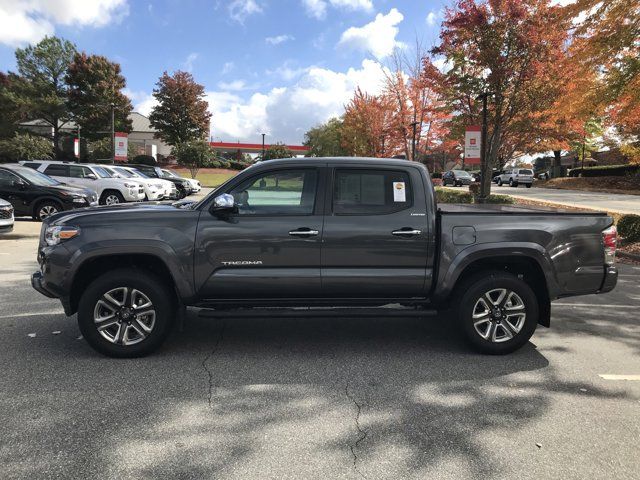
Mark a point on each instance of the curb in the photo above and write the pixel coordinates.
(630, 256)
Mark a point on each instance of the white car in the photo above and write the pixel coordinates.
(6, 216)
(516, 176)
(195, 184)
(110, 190)
(154, 188)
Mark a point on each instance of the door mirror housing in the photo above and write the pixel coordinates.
(224, 203)
(92, 176)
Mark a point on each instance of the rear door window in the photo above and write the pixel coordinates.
(370, 192)
(526, 172)
(57, 170)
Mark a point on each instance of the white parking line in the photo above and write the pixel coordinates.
(632, 378)
(36, 314)
(593, 305)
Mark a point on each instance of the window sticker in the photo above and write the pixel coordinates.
(399, 192)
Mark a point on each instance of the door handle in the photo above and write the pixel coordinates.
(406, 231)
(303, 232)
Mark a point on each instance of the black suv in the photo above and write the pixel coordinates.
(34, 194)
(183, 187)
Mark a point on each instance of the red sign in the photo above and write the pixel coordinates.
(122, 142)
(472, 144)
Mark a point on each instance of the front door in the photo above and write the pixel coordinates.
(375, 239)
(14, 190)
(270, 248)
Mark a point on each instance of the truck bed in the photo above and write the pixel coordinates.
(466, 209)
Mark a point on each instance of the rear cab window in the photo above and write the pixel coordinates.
(371, 192)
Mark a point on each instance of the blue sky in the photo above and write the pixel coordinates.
(275, 66)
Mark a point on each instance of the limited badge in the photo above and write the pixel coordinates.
(399, 192)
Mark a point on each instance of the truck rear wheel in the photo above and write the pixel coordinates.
(498, 312)
(126, 313)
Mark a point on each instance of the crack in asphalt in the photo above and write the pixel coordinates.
(208, 357)
(362, 433)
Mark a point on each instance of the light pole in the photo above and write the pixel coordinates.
(484, 174)
(413, 141)
(79, 145)
(584, 140)
(113, 132)
(263, 135)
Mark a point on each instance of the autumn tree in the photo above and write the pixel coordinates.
(365, 128)
(44, 91)
(510, 49)
(326, 140)
(95, 84)
(182, 112)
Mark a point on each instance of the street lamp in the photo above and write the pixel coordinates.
(263, 135)
(113, 132)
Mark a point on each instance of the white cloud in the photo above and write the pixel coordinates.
(318, 8)
(28, 21)
(235, 85)
(239, 10)
(377, 37)
(286, 113)
(286, 72)
(432, 18)
(277, 40)
(143, 102)
(442, 64)
(187, 65)
(228, 67)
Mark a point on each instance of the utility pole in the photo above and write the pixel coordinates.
(382, 141)
(584, 140)
(79, 145)
(113, 133)
(413, 142)
(263, 135)
(484, 173)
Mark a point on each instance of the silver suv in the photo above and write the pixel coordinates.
(516, 176)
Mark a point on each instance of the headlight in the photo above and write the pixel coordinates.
(79, 199)
(57, 234)
(130, 185)
(185, 183)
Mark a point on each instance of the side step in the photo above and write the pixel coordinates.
(379, 312)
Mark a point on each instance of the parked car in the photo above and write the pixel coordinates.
(34, 194)
(6, 216)
(182, 184)
(516, 176)
(544, 175)
(110, 190)
(154, 188)
(195, 184)
(457, 178)
(321, 233)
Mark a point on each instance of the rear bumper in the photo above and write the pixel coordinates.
(610, 279)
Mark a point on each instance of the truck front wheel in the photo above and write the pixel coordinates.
(498, 312)
(126, 313)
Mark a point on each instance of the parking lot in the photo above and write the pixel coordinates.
(317, 398)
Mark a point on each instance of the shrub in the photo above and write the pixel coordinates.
(436, 174)
(629, 227)
(24, 146)
(446, 195)
(504, 199)
(144, 160)
(193, 155)
(605, 171)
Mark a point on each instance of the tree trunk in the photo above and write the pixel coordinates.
(557, 164)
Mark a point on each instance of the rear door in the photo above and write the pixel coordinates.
(270, 248)
(15, 190)
(59, 171)
(376, 233)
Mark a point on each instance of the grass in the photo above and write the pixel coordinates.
(209, 177)
(629, 185)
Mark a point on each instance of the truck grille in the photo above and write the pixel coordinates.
(6, 213)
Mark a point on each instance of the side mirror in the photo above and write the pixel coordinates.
(92, 176)
(223, 203)
(19, 184)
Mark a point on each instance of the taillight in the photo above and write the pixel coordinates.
(610, 241)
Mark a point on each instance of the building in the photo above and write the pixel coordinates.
(142, 137)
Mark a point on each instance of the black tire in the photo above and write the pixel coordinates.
(503, 340)
(163, 305)
(182, 193)
(528, 185)
(45, 209)
(499, 182)
(111, 194)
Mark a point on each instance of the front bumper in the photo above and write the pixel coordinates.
(610, 279)
(37, 283)
(6, 228)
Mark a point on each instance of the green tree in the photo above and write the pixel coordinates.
(24, 146)
(95, 83)
(182, 112)
(13, 111)
(326, 140)
(44, 93)
(194, 155)
(278, 150)
(100, 149)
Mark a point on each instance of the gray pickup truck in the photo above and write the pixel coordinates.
(337, 236)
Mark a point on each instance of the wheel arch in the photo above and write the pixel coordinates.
(45, 198)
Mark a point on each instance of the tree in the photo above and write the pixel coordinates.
(277, 150)
(95, 83)
(512, 49)
(13, 110)
(181, 114)
(44, 91)
(366, 125)
(326, 140)
(194, 155)
(100, 149)
(24, 146)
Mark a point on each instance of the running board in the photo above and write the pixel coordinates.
(316, 312)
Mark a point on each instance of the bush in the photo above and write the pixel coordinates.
(629, 227)
(193, 155)
(502, 199)
(24, 146)
(236, 165)
(446, 195)
(144, 160)
(605, 171)
(436, 175)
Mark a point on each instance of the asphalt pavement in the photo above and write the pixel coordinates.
(334, 398)
(606, 202)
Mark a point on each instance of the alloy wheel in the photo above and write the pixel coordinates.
(47, 211)
(111, 200)
(499, 315)
(124, 316)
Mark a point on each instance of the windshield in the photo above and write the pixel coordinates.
(462, 173)
(102, 172)
(37, 178)
(170, 173)
(138, 173)
(125, 173)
